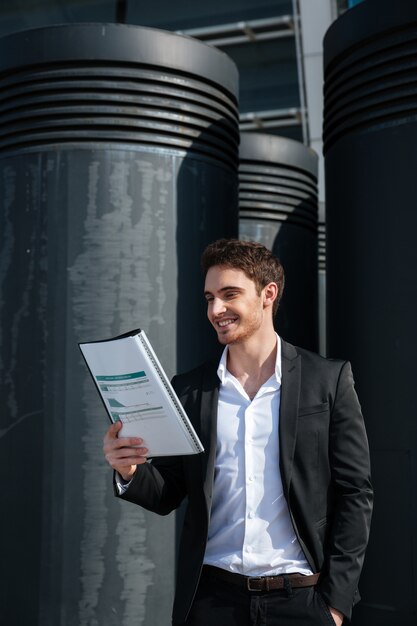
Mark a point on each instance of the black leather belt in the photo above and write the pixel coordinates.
(261, 583)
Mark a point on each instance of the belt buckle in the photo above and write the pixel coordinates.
(255, 579)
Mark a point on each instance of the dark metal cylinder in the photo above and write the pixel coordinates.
(118, 164)
(370, 138)
(278, 207)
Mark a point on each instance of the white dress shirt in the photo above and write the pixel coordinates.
(250, 529)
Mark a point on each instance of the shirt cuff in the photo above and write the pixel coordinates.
(121, 484)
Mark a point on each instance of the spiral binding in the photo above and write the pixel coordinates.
(154, 360)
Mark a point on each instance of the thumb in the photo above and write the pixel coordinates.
(114, 428)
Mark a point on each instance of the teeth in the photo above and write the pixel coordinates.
(225, 323)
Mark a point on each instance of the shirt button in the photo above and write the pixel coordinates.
(250, 479)
(248, 549)
(251, 514)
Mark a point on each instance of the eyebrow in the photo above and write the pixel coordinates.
(206, 293)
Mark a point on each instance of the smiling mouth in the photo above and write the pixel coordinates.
(225, 323)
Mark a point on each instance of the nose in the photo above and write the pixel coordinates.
(217, 306)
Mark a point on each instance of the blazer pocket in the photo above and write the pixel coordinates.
(310, 410)
(322, 522)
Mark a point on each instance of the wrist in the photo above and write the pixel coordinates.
(126, 477)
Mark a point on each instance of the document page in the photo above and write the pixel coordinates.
(134, 393)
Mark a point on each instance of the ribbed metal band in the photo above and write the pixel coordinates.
(370, 68)
(322, 245)
(282, 190)
(104, 85)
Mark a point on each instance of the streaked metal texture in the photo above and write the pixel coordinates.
(278, 206)
(118, 164)
(370, 135)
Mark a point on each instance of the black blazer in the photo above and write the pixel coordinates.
(324, 462)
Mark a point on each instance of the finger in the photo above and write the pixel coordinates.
(128, 455)
(127, 451)
(110, 444)
(111, 432)
(127, 462)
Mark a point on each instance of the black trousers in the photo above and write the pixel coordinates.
(219, 603)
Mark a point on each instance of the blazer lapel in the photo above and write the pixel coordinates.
(209, 401)
(290, 394)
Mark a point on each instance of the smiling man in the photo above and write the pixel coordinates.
(279, 505)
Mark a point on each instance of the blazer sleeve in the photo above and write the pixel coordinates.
(353, 497)
(158, 485)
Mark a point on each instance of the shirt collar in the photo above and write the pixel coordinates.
(222, 370)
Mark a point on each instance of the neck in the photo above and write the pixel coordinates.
(253, 361)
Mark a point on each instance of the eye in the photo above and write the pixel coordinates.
(209, 299)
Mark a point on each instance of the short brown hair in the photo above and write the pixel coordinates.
(253, 258)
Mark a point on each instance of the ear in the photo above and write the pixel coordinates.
(270, 293)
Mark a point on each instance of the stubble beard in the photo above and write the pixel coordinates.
(250, 327)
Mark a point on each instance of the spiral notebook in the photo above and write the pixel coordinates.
(136, 391)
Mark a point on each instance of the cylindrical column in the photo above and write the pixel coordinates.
(370, 135)
(278, 207)
(118, 164)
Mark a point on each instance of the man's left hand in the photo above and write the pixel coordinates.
(337, 616)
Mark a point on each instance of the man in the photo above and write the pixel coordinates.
(279, 505)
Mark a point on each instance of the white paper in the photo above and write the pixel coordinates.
(136, 395)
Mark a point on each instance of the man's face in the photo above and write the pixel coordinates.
(234, 307)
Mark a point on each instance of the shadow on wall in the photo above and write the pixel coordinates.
(296, 247)
(206, 211)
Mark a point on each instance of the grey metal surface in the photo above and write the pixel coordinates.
(119, 43)
(278, 207)
(102, 83)
(371, 196)
(104, 211)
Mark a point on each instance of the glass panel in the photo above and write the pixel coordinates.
(183, 14)
(268, 74)
(22, 14)
(290, 132)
